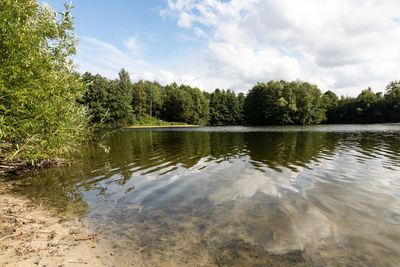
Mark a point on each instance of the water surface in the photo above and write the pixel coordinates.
(234, 196)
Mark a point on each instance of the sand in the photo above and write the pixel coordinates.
(31, 235)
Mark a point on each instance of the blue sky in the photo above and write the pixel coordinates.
(135, 28)
(338, 45)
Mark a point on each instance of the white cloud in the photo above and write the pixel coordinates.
(148, 76)
(107, 59)
(253, 64)
(185, 20)
(132, 44)
(167, 77)
(200, 33)
(345, 45)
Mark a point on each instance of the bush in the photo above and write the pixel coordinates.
(39, 115)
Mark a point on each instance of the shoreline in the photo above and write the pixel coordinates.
(164, 126)
(13, 167)
(31, 235)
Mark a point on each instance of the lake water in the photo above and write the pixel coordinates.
(238, 196)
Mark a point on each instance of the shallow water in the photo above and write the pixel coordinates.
(215, 196)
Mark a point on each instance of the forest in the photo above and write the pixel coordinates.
(47, 107)
(122, 102)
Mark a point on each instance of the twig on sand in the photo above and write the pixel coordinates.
(4, 237)
(79, 262)
(89, 237)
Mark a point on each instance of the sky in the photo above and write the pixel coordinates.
(340, 45)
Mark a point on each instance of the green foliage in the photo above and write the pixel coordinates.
(146, 120)
(241, 99)
(282, 102)
(147, 99)
(121, 103)
(96, 97)
(119, 99)
(41, 97)
(330, 103)
(139, 99)
(367, 107)
(185, 104)
(108, 101)
(225, 108)
(155, 95)
(40, 117)
(392, 101)
(275, 102)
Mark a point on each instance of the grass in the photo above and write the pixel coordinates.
(151, 121)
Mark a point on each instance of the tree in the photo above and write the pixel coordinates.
(266, 104)
(309, 105)
(392, 99)
(95, 98)
(139, 99)
(177, 104)
(218, 108)
(224, 108)
(39, 114)
(366, 106)
(154, 98)
(256, 106)
(120, 98)
(281, 102)
(330, 102)
(185, 104)
(241, 99)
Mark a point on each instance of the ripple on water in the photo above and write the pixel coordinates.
(321, 195)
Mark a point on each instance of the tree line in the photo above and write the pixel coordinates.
(121, 102)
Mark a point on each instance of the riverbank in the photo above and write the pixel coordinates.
(163, 126)
(13, 166)
(31, 235)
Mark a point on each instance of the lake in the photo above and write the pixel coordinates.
(324, 195)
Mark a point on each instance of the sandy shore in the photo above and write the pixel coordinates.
(30, 235)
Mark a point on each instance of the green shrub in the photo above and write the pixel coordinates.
(39, 115)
